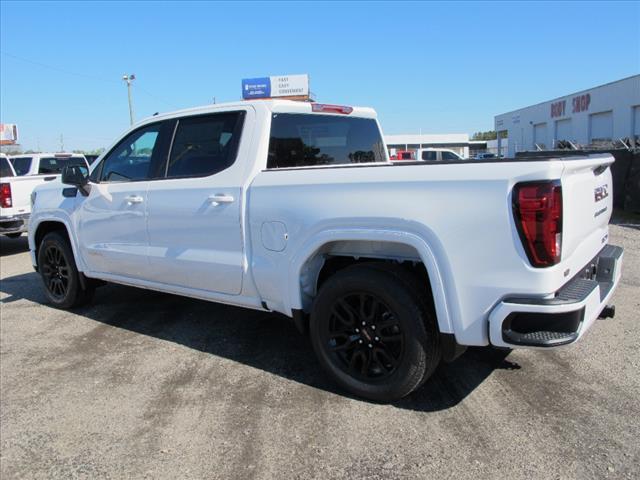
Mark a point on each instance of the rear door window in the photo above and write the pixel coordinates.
(21, 165)
(304, 140)
(205, 145)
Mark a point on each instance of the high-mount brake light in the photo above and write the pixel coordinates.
(323, 107)
(537, 207)
(5, 195)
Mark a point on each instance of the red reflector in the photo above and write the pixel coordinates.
(5, 195)
(323, 107)
(537, 207)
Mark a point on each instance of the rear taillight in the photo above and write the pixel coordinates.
(537, 207)
(5, 195)
(323, 107)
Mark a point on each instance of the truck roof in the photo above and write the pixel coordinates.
(274, 105)
(46, 154)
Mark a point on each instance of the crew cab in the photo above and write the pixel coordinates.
(294, 207)
(45, 163)
(15, 193)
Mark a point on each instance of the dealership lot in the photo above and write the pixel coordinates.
(147, 385)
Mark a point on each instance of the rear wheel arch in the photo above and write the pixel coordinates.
(332, 256)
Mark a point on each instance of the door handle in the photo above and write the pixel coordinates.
(131, 199)
(220, 198)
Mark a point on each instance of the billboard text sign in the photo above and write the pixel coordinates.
(276, 86)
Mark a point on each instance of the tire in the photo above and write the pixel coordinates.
(59, 273)
(14, 235)
(424, 298)
(384, 363)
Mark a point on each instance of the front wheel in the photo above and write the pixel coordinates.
(59, 273)
(372, 333)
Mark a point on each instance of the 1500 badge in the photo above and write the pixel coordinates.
(601, 192)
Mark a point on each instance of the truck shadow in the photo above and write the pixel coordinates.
(258, 339)
(11, 246)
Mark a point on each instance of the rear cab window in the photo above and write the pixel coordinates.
(310, 140)
(21, 165)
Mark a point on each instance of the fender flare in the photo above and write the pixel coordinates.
(33, 229)
(308, 249)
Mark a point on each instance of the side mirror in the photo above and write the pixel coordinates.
(78, 176)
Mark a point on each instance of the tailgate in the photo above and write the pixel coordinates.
(587, 206)
(21, 188)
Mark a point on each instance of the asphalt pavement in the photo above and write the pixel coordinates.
(147, 385)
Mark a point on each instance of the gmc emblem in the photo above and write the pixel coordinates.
(601, 192)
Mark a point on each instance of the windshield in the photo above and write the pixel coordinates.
(56, 164)
(5, 168)
(21, 165)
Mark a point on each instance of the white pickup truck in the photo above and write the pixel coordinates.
(45, 163)
(15, 203)
(295, 207)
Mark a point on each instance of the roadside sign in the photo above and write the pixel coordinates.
(256, 88)
(276, 86)
(8, 134)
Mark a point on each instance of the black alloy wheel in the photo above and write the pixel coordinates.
(55, 272)
(365, 337)
(60, 276)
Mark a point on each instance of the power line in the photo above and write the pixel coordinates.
(58, 69)
(143, 90)
(92, 77)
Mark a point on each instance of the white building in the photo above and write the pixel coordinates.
(601, 114)
(458, 142)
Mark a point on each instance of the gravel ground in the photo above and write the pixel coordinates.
(147, 385)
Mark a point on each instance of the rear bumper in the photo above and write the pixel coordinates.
(14, 223)
(563, 318)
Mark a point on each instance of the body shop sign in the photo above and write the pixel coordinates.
(579, 104)
(276, 86)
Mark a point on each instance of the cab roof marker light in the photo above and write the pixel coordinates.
(326, 108)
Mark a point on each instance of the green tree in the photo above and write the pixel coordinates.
(490, 135)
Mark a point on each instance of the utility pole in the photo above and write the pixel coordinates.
(128, 79)
(61, 143)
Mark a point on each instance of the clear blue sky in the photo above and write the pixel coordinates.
(438, 68)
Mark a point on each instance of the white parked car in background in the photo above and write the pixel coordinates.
(45, 163)
(295, 207)
(437, 155)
